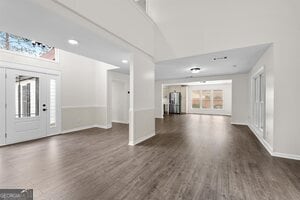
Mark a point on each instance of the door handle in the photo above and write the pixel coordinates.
(45, 109)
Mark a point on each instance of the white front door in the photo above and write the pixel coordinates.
(2, 106)
(29, 114)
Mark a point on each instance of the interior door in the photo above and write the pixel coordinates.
(2, 106)
(26, 98)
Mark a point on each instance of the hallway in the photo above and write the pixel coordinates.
(191, 157)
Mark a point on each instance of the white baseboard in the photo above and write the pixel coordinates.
(120, 122)
(141, 139)
(269, 148)
(85, 127)
(159, 117)
(64, 132)
(204, 113)
(288, 156)
(76, 129)
(108, 126)
(240, 123)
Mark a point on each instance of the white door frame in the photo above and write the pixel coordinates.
(260, 116)
(2, 107)
(47, 72)
(24, 128)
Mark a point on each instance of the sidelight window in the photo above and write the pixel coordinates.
(52, 103)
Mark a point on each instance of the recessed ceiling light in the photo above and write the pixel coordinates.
(125, 61)
(195, 70)
(73, 42)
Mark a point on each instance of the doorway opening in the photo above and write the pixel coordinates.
(120, 101)
(202, 97)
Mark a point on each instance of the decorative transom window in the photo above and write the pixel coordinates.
(27, 47)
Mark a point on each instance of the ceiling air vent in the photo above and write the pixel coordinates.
(221, 58)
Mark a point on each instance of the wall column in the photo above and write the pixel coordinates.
(141, 112)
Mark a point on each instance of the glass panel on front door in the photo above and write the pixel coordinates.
(27, 96)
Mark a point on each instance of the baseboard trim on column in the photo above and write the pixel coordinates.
(240, 123)
(108, 126)
(86, 127)
(287, 156)
(141, 139)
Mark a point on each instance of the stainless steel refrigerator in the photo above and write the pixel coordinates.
(175, 103)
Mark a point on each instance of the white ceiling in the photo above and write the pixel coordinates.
(243, 58)
(54, 25)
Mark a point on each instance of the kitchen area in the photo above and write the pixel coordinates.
(205, 97)
(175, 99)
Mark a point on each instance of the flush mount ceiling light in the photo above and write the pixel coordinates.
(73, 42)
(125, 61)
(195, 70)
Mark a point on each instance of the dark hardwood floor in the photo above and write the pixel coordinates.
(191, 157)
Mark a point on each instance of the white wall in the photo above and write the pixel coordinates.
(141, 114)
(240, 100)
(119, 97)
(159, 113)
(84, 92)
(204, 26)
(227, 96)
(84, 87)
(240, 95)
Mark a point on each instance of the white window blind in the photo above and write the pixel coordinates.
(52, 103)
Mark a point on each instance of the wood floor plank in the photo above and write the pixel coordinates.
(191, 157)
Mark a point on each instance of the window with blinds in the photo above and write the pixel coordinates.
(52, 103)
